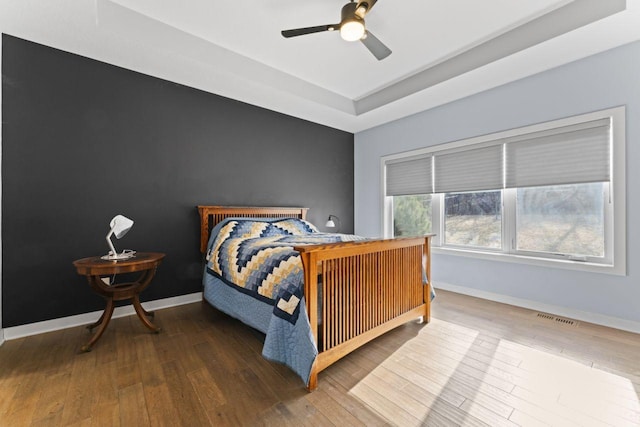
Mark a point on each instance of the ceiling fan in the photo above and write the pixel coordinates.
(351, 28)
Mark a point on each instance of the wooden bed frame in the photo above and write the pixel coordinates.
(368, 287)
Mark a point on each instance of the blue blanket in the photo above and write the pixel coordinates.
(256, 258)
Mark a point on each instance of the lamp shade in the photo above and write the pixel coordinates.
(120, 225)
(331, 221)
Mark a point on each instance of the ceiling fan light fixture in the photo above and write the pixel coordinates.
(352, 30)
(351, 27)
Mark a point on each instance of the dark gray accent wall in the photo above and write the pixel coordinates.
(83, 141)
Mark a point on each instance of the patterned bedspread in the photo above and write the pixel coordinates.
(257, 258)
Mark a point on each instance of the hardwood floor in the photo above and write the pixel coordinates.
(477, 363)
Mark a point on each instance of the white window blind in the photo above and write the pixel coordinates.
(469, 169)
(565, 155)
(573, 154)
(409, 176)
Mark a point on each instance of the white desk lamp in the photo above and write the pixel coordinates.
(119, 227)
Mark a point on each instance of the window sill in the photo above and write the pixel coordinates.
(536, 261)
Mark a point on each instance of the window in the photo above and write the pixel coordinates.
(473, 219)
(541, 194)
(412, 215)
(563, 219)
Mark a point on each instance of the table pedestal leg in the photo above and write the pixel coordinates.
(99, 321)
(102, 323)
(142, 314)
(145, 312)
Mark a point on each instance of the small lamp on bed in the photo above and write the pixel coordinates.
(120, 225)
(331, 223)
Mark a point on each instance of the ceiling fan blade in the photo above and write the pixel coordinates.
(375, 46)
(364, 6)
(309, 30)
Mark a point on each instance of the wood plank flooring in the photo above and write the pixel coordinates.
(478, 363)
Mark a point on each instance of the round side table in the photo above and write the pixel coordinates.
(95, 268)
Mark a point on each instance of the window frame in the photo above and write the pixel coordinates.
(614, 261)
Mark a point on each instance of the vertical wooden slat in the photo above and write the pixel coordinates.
(383, 290)
(353, 278)
(385, 275)
(347, 301)
(375, 291)
(363, 293)
(325, 308)
(384, 295)
(329, 298)
(371, 291)
(359, 293)
(339, 302)
(334, 303)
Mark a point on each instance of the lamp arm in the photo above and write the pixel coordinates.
(113, 250)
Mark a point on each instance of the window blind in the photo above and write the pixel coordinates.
(409, 176)
(566, 155)
(469, 169)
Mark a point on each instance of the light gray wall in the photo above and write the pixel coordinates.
(602, 81)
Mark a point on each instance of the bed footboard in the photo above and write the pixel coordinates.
(368, 288)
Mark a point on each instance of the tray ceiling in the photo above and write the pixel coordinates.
(442, 51)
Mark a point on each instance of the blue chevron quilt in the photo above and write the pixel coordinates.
(250, 263)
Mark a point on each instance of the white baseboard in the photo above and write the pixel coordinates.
(1, 336)
(87, 318)
(585, 316)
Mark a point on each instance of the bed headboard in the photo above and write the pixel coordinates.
(211, 215)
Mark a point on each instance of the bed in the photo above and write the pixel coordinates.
(350, 292)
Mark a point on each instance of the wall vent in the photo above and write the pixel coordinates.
(558, 320)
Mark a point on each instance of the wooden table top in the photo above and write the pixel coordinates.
(95, 266)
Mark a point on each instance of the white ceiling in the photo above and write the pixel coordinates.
(442, 50)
